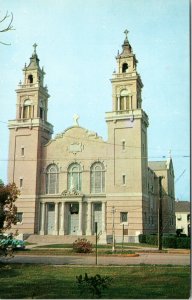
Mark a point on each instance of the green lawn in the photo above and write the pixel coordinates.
(59, 282)
(108, 246)
(67, 249)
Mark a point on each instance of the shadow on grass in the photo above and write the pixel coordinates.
(51, 282)
(7, 270)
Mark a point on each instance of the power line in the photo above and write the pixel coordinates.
(54, 159)
(180, 176)
(96, 140)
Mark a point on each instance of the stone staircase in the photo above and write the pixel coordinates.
(58, 239)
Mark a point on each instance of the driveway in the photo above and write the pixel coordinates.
(143, 258)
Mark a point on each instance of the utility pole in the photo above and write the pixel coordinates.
(113, 228)
(160, 215)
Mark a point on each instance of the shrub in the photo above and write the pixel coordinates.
(152, 239)
(92, 285)
(183, 243)
(169, 241)
(142, 238)
(82, 246)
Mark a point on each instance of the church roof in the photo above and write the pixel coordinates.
(182, 206)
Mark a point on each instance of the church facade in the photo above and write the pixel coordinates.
(76, 179)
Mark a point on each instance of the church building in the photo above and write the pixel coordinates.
(75, 179)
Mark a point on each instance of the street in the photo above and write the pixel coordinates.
(143, 258)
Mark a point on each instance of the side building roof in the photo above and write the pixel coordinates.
(157, 165)
(162, 165)
(182, 206)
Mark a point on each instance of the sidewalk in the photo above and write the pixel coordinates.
(82, 260)
(137, 248)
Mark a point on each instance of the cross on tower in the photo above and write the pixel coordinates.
(35, 46)
(76, 118)
(126, 33)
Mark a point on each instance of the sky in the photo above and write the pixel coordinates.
(77, 44)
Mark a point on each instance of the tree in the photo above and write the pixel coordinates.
(6, 25)
(8, 209)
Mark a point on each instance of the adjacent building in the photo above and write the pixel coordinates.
(71, 181)
(183, 217)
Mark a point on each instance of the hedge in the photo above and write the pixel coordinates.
(169, 241)
(152, 239)
(183, 242)
(142, 238)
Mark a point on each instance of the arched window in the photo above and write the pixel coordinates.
(27, 109)
(30, 78)
(74, 177)
(124, 68)
(52, 179)
(97, 178)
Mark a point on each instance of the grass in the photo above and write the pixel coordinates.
(59, 282)
(108, 246)
(68, 251)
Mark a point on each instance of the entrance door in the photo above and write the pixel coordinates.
(50, 218)
(97, 216)
(73, 218)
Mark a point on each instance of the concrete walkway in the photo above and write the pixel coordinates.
(143, 258)
(146, 256)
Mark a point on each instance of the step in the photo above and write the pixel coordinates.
(56, 239)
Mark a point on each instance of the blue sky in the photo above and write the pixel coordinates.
(77, 44)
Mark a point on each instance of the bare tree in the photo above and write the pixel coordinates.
(6, 25)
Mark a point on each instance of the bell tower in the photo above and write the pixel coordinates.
(28, 133)
(126, 82)
(127, 127)
(32, 95)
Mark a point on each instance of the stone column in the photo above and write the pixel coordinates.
(56, 218)
(103, 217)
(62, 216)
(118, 103)
(80, 218)
(128, 107)
(32, 111)
(125, 103)
(21, 112)
(88, 231)
(103, 236)
(42, 229)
